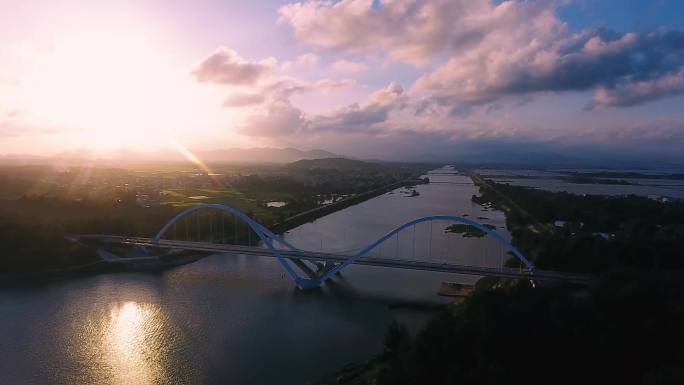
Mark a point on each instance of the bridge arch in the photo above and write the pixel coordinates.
(449, 218)
(267, 237)
(263, 233)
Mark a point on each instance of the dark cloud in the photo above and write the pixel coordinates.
(627, 69)
(497, 49)
(604, 58)
(630, 93)
(634, 145)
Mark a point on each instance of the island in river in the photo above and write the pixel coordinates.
(467, 230)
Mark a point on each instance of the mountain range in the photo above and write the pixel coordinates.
(227, 155)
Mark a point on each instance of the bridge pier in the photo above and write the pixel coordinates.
(321, 269)
(329, 265)
(305, 268)
(308, 283)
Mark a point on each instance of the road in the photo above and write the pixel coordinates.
(215, 248)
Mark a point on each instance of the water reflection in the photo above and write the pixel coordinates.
(232, 319)
(131, 341)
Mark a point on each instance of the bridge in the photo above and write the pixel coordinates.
(310, 269)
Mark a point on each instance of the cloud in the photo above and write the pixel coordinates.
(289, 87)
(243, 100)
(263, 84)
(485, 51)
(329, 85)
(303, 62)
(474, 61)
(349, 67)
(626, 69)
(411, 31)
(280, 118)
(9, 130)
(363, 117)
(284, 89)
(225, 66)
(645, 140)
(631, 93)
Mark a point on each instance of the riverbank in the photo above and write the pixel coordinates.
(101, 266)
(313, 214)
(250, 298)
(496, 330)
(504, 203)
(27, 278)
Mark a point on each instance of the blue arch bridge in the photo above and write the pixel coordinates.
(308, 269)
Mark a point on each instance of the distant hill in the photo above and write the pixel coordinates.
(333, 164)
(120, 157)
(262, 155)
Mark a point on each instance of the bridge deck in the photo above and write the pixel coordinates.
(537, 275)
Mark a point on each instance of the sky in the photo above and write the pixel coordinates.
(388, 79)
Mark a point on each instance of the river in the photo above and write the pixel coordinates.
(232, 319)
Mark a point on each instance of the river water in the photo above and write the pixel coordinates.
(552, 181)
(237, 319)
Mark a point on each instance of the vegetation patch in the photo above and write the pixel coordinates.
(468, 231)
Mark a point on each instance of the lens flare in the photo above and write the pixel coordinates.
(199, 163)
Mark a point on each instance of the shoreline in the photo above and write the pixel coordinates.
(319, 212)
(368, 371)
(103, 267)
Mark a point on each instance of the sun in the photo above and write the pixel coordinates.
(110, 88)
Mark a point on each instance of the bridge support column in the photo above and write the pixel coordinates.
(305, 268)
(308, 284)
(328, 266)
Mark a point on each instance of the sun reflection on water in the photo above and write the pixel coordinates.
(132, 342)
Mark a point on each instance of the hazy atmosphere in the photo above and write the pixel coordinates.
(341, 192)
(430, 80)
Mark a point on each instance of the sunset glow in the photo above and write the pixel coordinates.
(390, 192)
(109, 86)
(525, 76)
